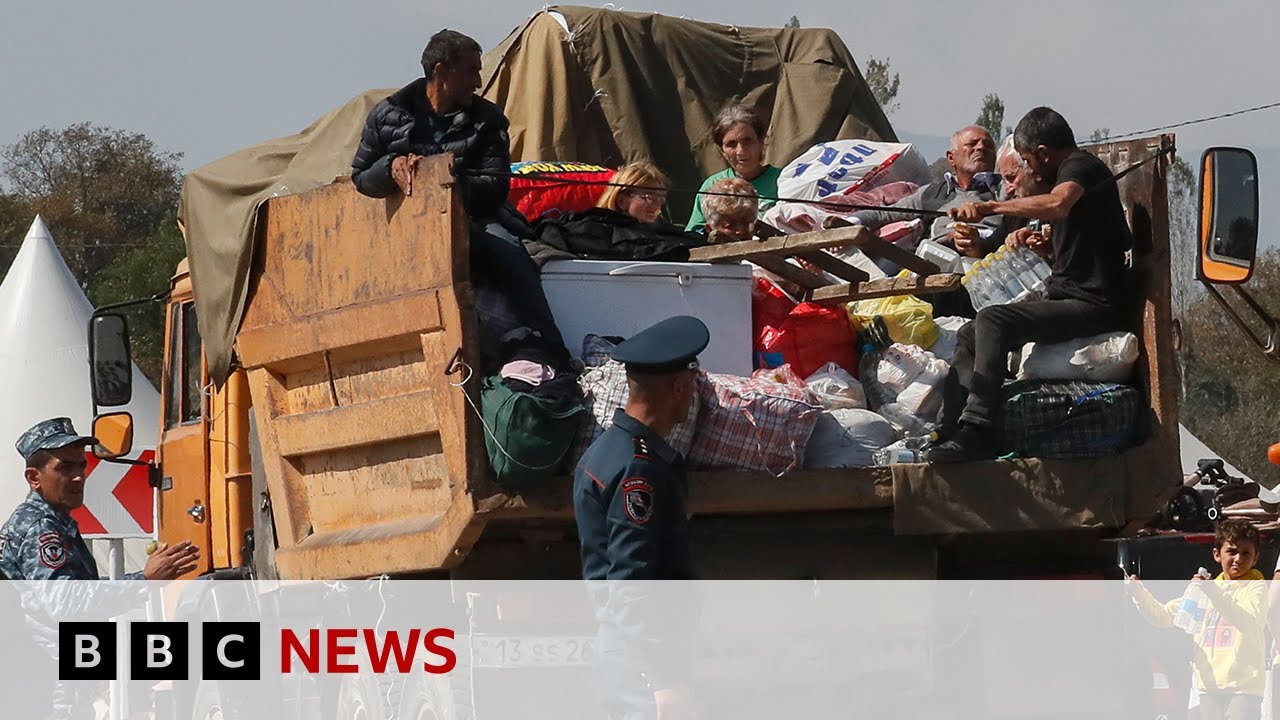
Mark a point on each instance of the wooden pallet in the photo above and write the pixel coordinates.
(773, 249)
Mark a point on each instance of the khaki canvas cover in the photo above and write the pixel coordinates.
(578, 83)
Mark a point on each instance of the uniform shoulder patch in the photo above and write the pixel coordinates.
(637, 500)
(641, 448)
(53, 550)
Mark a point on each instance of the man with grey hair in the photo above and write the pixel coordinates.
(1016, 180)
(972, 157)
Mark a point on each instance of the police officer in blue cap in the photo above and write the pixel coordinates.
(629, 491)
(630, 498)
(40, 540)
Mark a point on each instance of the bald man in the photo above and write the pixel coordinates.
(972, 157)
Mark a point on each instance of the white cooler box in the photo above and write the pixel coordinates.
(606, 297)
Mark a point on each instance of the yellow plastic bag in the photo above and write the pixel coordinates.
(909, 319)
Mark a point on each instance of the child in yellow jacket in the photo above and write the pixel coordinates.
(1230, 655)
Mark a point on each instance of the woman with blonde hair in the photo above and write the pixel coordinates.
(639, 190)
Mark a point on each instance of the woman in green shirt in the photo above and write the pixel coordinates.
(739, 132)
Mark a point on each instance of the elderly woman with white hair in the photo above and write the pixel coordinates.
(730, 207)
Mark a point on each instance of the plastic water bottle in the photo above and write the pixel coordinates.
(907, 423)
(1037, 263)
(1025, 274)
(994, 283)
(896, 454)
(1190, 614)
(1001, 269)
(909, 450)
(976, 295)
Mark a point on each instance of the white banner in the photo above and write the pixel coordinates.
(414, 649)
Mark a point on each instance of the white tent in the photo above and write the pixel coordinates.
(1193, 451)
(44, 372)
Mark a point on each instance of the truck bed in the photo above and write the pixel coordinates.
(360, 330)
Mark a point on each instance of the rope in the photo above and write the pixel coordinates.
(1186, 123)
(561, 180)
(608, 183)
(468, 373)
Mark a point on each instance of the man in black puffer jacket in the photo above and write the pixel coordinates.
(440, 113)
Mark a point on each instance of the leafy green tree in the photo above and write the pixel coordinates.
(794, 22)
(15, 220)
(884, 84)
(110, 198)
(99, 189)
(1231, 390)
(139, 272)
(991, 117)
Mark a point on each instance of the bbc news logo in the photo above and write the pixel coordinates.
(233, 650)
(159, 651)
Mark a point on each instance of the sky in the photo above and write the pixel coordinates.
(206, 79)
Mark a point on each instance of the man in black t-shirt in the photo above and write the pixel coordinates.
(1085, 293)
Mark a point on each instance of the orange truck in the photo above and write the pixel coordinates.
(343, 446)
(324, 431)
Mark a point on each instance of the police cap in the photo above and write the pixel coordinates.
(667, 347)
(50, 435)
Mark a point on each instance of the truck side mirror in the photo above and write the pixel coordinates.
(110, 364)
(1228, 215)
(114, 432)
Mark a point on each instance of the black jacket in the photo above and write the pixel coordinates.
(600, 234)
(405, 123)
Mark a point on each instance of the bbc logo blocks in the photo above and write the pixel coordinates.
(160, 651)
(87, 651)
(231, 651)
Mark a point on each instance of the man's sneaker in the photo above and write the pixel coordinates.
(970, 442)
(945, 432)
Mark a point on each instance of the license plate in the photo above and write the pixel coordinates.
(506, 651)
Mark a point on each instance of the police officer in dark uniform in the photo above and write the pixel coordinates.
(630, 491)
(40, 540)
(630, 498)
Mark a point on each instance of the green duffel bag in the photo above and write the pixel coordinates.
(527, 436)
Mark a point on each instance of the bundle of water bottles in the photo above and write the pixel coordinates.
(1005, 276)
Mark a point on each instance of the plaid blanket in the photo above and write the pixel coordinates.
(752, 424)
(1070, 419)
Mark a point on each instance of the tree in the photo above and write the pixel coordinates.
(1183, 205)
(1231, 389)
(110, 198)
(138, 272)
(99, 189)
(991, 117)
(794, 22)
(884, 86)
(1099, 134)
(15, 220)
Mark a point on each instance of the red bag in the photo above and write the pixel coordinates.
(807, 336)
(769, 307)
(539, 198)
